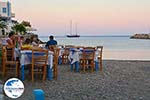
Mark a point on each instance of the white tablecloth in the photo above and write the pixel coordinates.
(61, 51)
(76, 55)
(16, 53)
(26, 56)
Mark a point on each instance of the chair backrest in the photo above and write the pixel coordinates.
(60, 46)
(10, 53)
(90, 48)
(89, 53)
(69, 46)
(22, 48)
(66, 51)
(100, 48)
(52, 47)
(39, 56)
(78, 47)
(0, 54)
(0, 50)
(4, 54)
(56, 55)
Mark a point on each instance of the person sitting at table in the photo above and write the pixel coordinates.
(27, 44)
(21, 41)
(11, 39)
(34, 41)
(11, 45)
(17, 41)
(51, 42)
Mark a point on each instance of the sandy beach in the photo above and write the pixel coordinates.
(120, 80)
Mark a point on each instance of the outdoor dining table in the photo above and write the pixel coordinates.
(26, 58)
(76, 54)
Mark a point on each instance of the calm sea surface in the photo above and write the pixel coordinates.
(115, 47)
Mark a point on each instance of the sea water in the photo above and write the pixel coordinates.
(115, 47)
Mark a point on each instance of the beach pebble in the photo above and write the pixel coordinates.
(120, 81)
(1, 89)
(1, 97)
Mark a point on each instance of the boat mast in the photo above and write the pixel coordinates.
(71, 27)
(76, 28)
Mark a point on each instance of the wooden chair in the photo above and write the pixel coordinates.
(55, 62)
(100, 48)
(88, 58)
(7, 59)
(39, 62)
(52, 47)
(78, 47)
(69, 46)
(10, 53)
(26, 48)
(60, 46)
(0, 56)
(65, 55)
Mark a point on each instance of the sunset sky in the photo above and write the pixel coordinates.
(94, 17)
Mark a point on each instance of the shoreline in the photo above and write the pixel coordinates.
(141, 38)
(126, 60)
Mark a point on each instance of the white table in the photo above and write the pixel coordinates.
(75, 56)
(26, 58)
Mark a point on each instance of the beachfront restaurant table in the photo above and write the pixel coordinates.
(76, 54)
(26, 58)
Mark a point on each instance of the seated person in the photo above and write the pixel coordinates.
(51, 42)
(34, 41)
(27, 44)
(11, 46)
(11, 39)
(17, 41)
(21, 41)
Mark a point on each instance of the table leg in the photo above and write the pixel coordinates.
(71, 68)
(22, 73)
(77, 66)
(96, 65)
(49, 73)
(59, 60)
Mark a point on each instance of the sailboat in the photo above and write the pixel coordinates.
(73, 35)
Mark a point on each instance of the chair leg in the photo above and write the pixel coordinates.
(56, 72)
(84, 65)
(44, 73)
(101, 65)
(32, 71)
(92, 67)
(4, 70)
(63, 59)
(17, 70)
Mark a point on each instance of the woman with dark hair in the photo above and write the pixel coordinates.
(11, 39)
(34, 41)
(27, 41)
(21, 41)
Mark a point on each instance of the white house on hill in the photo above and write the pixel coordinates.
(6, 15)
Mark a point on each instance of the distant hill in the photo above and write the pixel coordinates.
(140, 36)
